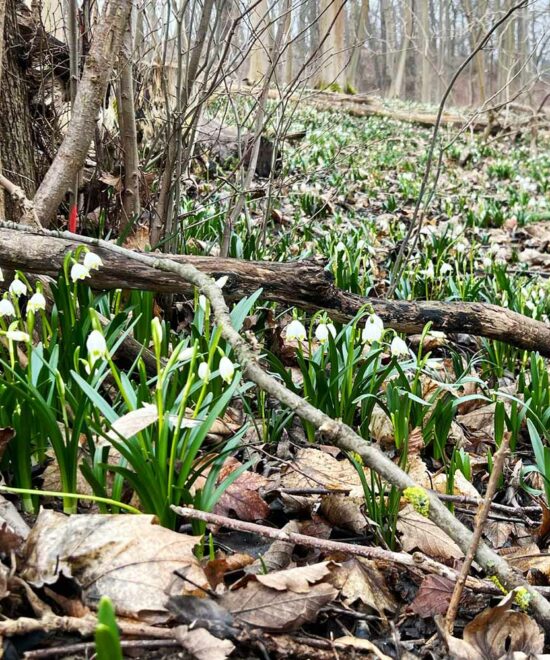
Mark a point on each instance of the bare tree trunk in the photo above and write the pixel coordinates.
(397, 82)
(261, 34)
(360, 36)
(424, 32)
(74, 148)
(128, 133)
(2, 20)
(16, 136)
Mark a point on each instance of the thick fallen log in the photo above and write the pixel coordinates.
(303, 284)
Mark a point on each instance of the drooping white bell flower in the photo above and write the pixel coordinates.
(204, 371)
(79, 272)
(96, 345)
(17, 335)
(222, 281)
(295, 330)
(156, 331)
(18, 288)
(6, 308)
(323, 330)
(227, 370)
(373, 330)
(398, 347)
(92, 261)
(1, 275)
(36, 303)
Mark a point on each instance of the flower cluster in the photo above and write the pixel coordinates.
(81, 271)
(418, 497)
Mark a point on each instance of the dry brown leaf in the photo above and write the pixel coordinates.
(527, 558)
(461, 486)
(299, 579)
(216, 569)
(313, 468)
(279, 554)
(381, 428)
(497, 633)
(344, 511)
(420, 533)
(128, 558)
(433, 597)
(242, 498)
(360, 579)
(203, 645)
(262, 607)
(13, 529)
(363, 644)
(498, 532)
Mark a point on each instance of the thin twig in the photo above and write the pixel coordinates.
(83, 647)
(480, 520)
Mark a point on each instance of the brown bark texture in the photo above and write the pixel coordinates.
(74, 148)
(16, 136)
(304, 284)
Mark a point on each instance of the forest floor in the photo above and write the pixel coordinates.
(197, 434)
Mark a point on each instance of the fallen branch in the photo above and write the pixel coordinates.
(336, 432)
(414, 561)
(303, 284)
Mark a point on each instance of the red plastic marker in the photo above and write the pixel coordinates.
(73, 219)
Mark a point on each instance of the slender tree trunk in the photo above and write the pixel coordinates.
(2, 20)
(128, 133)
(424, 33)
(397, 83)
(261, 34)
(74, 148)
(360, 36)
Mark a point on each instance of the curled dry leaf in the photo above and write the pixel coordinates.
(345, 511)
(497, 633)
(202, 645)
(420, 533)
(297, 580)
(318, 469)
(362, 644)
(242, 498)
(433, 597)
(381, 428)
(269, 609)
(216, 569)
(361, 580)
(128, 558)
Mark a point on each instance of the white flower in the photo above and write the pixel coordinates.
(204, 371)
(156, 331)
(36, 303)
(340, 247)
(187, 354)
(17, 335)
(92, 261)
(222, 281)
(428, 272)
(6, 308)
(398, 347)
(79, 272)
(487, 262)
(461, 247)
(18, 288)
(323, 330)
(96, 345)
(202, 302)
(445, 268)
(373, 330)
(295, 330)
(1, 275)
(227, 370)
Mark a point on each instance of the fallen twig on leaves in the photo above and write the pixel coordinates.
(303, 284)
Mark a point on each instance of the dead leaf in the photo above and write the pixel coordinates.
(128, 558)
(361, 580)
(381, 428)
(203, 645)
(216, 569)
(14, 530)
(497, 633)
(360, 643)
(6, 436)
(297, 580)
(433, 597)
(242, 498)
(313, 468)
(345, 511)
(420, 533)
(262, 607)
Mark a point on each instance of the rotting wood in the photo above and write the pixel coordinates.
(303, 284)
